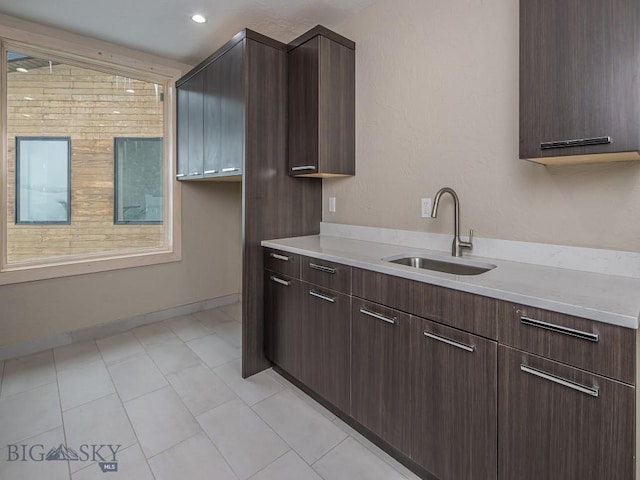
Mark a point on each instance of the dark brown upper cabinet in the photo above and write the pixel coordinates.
(579, 82)
(211, 116)
(321, 104)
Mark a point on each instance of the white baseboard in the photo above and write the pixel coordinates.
(111, 328)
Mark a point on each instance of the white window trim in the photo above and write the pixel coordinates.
(27, 37)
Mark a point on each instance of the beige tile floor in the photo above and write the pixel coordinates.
(172, 396)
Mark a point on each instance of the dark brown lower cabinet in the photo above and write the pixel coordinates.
(561, 423)
(454, 403)
(380, 371)
(283, 334)
(325, 344)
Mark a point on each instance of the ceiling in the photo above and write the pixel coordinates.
(165, 28)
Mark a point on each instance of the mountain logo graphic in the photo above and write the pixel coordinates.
(62, 453)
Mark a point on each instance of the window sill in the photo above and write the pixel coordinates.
(67, 267)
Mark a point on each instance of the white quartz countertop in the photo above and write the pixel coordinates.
(605, 298)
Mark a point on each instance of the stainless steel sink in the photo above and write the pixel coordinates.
(456, 268)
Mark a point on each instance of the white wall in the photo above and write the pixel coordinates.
(437, 104)
(210, 268)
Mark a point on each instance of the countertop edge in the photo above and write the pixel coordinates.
(611, 318)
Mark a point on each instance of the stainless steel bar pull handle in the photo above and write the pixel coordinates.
(321, 296)
(302, 168)
(322, 268)
(194, 173)
(180, 175)
(576, 142)
(280, 281)
(279, 257)
(592, 337)
(230, 169)
(207, 172)
(453, 343)
(379, 316)
(593, 391)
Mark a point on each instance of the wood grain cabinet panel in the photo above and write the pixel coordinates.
(381, 372)
(334, 276)
(466, 311)
(394, 292)
(578, 77)
(454, 402)
(190, 128)
(552, 425)
(283, 326)
(326, 344)
(282, 262)
(321, 104)
(212, 108)
(212, 127)
(598, 347)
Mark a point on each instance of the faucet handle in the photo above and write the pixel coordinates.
(471, 235)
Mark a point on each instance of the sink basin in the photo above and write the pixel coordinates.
(458, 267)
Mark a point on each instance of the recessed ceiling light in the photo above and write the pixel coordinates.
(116, 111)
(21, 70)
(26, 115)
(198, 18)
(130, 90)
(28, 98)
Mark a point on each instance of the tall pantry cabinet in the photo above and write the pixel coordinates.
(250, 75)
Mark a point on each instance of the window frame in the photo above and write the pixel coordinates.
(17, 189)
(115, 184)
(100, 56)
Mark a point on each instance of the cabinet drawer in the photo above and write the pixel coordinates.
(469, 312)
(385, 289)
(605, 349)
(326, 274)
(282, 262)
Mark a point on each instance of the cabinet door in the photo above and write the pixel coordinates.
(322, 105)
(195, 133)
(578, 75)
(232, 95)
(303, 107)
(283, 340)
(380, 371)
(561, 423)
(182, 105)
(454, 410)
(212, 119)
(326, 331)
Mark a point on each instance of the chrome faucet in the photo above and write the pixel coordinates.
(458, 245)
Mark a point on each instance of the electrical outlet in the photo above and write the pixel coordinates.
(332, 204)
(426, 208)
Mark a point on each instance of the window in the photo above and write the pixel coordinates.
(138, 181)
(87, 163)
(42, 180)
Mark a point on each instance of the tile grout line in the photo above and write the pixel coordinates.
(139, 443)
(211, 369)
(290, 386)
(2, 377)
(194, 338)
(331, 450)
(202, 430)
(64, 430)
(368, 449)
